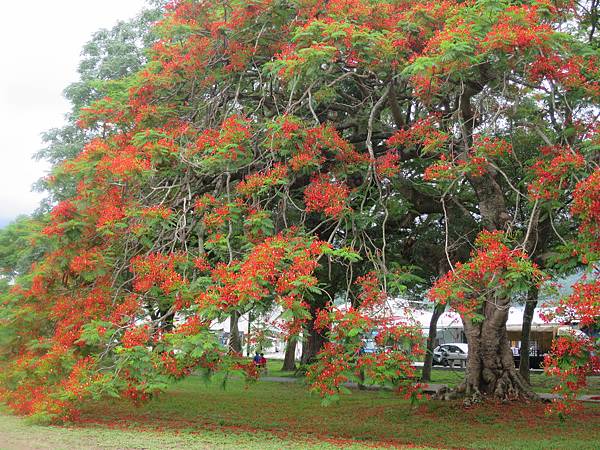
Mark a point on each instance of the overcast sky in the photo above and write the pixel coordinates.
(40, 46)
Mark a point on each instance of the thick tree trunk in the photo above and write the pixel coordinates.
(427, 365)
(313, 340)
(312, 344)
(235, 344)
(289, 360)
(491, 369)
(530, 306)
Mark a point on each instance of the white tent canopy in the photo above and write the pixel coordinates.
(451, 319)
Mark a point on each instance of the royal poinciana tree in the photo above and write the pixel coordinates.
(295, 156)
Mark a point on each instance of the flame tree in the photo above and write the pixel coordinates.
(281, 155)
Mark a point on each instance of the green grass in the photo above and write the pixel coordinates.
(264, 415)
(17, 433)
(274, 369)
(539, 381)
(287, 413)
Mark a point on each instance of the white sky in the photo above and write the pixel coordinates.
(40, 46)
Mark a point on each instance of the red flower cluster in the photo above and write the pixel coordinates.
(440, 171)
(423, 132)
(280, 266)
(87, 261)
(493, 266)
(331, 372)
(257, 183)
(489, 147)
(476, 164)
(64, 210)
(157, 211)
(190, 327)
(552, 176)
(571, 360)
(109, 208)
(388, 165)
(343, 358)
(136, 336)
(157, 270)
(126, 162)
(126, 310)
(555, 68)
(61, 213)
(226, 147)
(583, 305)
(370, 296)
(586, 207)
(204, 203)
(308, 147)
(326, 196)
(518, 28)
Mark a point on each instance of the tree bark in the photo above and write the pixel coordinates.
(491, 369)
(289, 360)
(250, 317)
(530, 305)
(314, 340)
(313, 343)
(438, 310)
(235, 344)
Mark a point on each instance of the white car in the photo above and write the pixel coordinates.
(449, 354)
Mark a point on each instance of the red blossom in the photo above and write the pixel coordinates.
(388, 165)
(324, 195)
(258, 182)
(551, 176)
(157, 270)
(586, 207)
(137, 336)
(492, 266)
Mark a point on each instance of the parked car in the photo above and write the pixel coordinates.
(449, 354)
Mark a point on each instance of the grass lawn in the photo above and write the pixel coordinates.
(274, 369)
(264, 415)
(452, 377)
(539, 381)
(16, 433)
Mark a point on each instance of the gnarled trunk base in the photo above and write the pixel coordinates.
(491, 368)
(491, 371)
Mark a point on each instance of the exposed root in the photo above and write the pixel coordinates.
(447, 394)
(508, 387)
